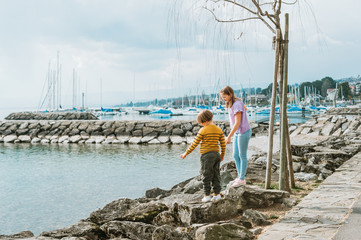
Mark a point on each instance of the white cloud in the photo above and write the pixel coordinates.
(118, 41)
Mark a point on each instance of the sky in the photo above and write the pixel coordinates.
(125, 51)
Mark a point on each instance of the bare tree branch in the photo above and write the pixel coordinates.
(235, 20)
(267, 24)
(268, 3)
(279, 7)
(271, 17)
(240, 5)
(256, 4)
(292, 3)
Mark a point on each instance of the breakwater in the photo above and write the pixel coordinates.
(105, 132)
(51, 116)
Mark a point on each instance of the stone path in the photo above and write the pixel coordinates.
(326, 210)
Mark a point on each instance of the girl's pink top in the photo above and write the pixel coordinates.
(238, 106)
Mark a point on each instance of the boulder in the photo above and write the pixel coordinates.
(135, 140)
(163, 139)
(75, 139)
(85, 229)
(123, 139)
(254, 196)
(167, 217)
(125, 209)
(154, 141)
(198, 212)
(194, 185)
(327, 129)
(305, 177)
(45, 141)
(147, 139)
(256, 218)
(176, 139)
(127, 229)
(168, 233)
(224, 231)
(155, 192)
(296, 132)
(24, 138)
(99, 139)
(306, 130)
(10, 138)
(20, 235)
(35, 140)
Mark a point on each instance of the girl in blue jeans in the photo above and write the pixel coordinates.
(241, 131)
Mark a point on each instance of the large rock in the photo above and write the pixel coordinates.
(327, 154)
(168, 233)
(225, 231)
(127, 229)
(24, 138)
(167, 218)
(135, 140)
(327, 129)
(255, 217)
(195, 185)
(198, 212)
(254, 196)
(20, 235)
(10, 138)
(127, 210)
(176, 139)
(85, 229)
(155, 192)
(305, 177)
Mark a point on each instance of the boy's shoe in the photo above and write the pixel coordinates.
(216, 197)
(206, 199)
(238, 183)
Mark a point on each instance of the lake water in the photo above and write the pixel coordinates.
(47, 187)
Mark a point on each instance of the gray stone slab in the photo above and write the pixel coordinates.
(321, 213)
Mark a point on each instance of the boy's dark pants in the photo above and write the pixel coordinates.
(210, 163)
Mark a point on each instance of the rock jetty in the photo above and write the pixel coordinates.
(51, 116)
(106, 132)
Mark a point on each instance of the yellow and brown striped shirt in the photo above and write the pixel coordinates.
(209, 137)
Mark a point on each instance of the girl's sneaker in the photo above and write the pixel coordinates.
(231, 182)
(238, 183)
(206, 198)
(216, 197)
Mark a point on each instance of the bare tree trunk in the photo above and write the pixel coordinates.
(290, 160)
(272, 114)
(288, 142)
(282, 95)
(283, 177)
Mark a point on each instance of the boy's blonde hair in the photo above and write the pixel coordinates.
(204, 116)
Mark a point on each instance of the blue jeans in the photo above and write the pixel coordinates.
(240, 146)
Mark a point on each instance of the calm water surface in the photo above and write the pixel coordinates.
(46, 187)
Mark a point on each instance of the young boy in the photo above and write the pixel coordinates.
(209, 136)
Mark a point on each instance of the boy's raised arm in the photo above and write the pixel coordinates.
(195, 143)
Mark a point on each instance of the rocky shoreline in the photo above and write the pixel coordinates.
(319, 147)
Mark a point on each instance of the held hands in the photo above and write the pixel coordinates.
(228, 140)
(183, 156)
